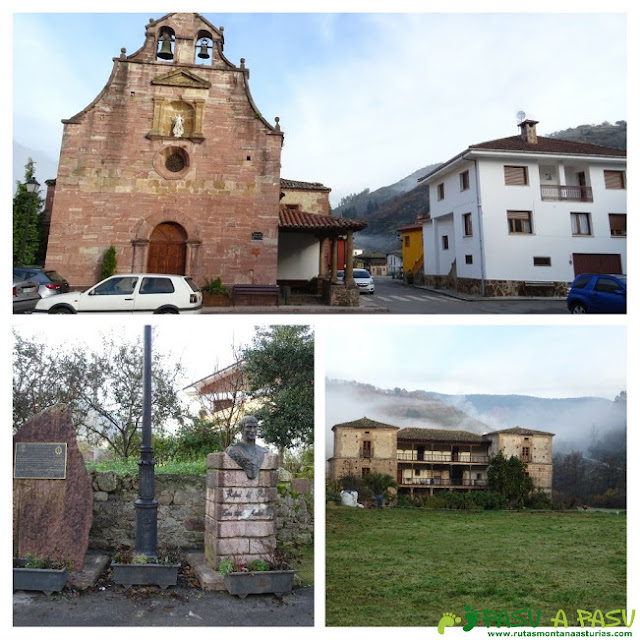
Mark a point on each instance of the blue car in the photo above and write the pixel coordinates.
(598, 293)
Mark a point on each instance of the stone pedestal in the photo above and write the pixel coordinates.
(240, 513)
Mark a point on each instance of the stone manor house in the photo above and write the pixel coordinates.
(174, 165)
(424, 460)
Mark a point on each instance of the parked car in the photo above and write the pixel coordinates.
(130, 293)
(363, 280)
(25, 295)
(50, 282)
(598, 293)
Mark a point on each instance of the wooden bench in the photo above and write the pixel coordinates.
(255, 294)
(535, 284)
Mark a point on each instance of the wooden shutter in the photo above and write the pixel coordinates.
(515, 175)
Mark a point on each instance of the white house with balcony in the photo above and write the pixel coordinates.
(525, 214)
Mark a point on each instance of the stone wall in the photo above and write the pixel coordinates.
(181, 508)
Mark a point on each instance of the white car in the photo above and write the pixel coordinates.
(130, 293)
(363, 280)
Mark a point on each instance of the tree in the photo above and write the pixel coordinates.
(279, 366)
(27, 220)
(102, 388)
(508, 476)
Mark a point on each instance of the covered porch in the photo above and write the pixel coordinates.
(312, 248)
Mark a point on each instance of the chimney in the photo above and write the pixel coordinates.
(528, 131)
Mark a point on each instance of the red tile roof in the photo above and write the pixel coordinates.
(548, 145)
(291, 218)
(307, 186)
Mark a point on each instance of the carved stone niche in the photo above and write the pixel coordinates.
(165, 109)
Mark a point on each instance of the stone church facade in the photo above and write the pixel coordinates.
(173, 164)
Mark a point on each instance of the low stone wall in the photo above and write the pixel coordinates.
(181, 508)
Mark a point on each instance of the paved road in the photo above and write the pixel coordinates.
(171, 608)
(401, 298)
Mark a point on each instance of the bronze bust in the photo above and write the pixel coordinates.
(247, 453)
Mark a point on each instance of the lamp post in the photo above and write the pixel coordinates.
(146, 505)
(32, 187)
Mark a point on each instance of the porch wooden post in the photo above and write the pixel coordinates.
(322, 266)
(334, 261)
(348, 267)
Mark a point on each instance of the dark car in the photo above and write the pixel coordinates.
(25, 295)
(598, 293)
(50, 282)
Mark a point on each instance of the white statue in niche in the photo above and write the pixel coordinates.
(178, 126)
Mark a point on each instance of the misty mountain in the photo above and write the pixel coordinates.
(399, 204)
(577, 423)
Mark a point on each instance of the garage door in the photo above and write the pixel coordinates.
(596, 263)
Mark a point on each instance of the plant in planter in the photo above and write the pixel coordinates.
(39, 574)
(258, 576)
(215, 294)
(129, 568)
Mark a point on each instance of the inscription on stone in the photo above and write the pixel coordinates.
(40, 460)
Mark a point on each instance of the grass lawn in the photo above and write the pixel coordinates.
(305, 568)
(406, 567)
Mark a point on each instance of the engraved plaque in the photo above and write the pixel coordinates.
(40, 460)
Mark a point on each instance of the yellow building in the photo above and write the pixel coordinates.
(412, 249)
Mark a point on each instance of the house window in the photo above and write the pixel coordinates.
(365, 471)
(519, 221)
(581, 224)
(614, 180)
(516, 175)
(541, 261)
(445, 242)
(366, 448)
(407, 241)
(618, 224)
(441, 191)
(464, 181)
(468, 259)
(526, 454)
(468, 227)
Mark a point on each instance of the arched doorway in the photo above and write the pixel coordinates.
(167, 249)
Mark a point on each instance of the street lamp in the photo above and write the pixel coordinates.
(32, 187)
(146, 505)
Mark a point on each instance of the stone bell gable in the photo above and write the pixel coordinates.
(173, 164)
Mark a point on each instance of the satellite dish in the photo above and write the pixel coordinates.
(521, 115)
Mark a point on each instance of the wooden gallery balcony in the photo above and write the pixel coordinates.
(449, 483)
(445, 458)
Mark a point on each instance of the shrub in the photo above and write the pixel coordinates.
(215, 286)
(538, 499)
(109, 263)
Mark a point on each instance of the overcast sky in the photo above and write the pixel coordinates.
(543, 361)
(364, 99)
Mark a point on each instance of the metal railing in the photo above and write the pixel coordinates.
(572, 193)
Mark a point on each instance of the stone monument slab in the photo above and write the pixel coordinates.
(52, 515)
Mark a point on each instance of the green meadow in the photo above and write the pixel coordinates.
(408, 567)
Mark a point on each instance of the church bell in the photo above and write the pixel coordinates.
(165, 49)
(204, 50)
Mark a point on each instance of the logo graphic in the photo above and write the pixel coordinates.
(447, 620)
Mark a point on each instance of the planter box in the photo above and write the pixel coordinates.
(242, 584)
(45, 580)
(162, 575)
(215, 299)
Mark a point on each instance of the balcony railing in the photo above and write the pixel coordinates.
(444, 457)
(570, 193)
(444, 482)
(366, 452)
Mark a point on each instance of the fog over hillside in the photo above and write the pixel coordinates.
(574, 421)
